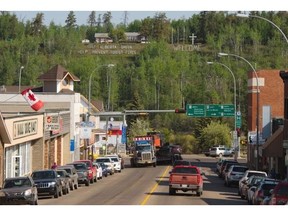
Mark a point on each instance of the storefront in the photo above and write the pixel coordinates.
(26, 143)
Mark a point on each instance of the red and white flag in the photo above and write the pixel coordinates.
(32, 100)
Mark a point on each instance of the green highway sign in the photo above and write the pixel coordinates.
(195, 110)
(238, 120)
(220, 110)
(210, 110)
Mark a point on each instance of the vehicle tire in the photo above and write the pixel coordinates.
(60, 192)
(87, 183)
(154, 164)
(106, 174)
(56, 195)
(172, 191)
(76, 186)
(35, 202)
(132, 162)
(65, 191)
(198, 193)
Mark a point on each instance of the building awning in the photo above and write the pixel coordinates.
(3, 131)
(273, 147)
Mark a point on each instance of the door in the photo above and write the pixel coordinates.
(16, 168)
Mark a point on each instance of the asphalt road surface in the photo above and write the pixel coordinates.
(149, 186)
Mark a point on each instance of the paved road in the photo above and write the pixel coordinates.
(149, 186)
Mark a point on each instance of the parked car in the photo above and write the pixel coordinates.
(92, 173)
(65, 180)
(19, 190)
(245, 191)
(105, 170)
(99, 170)
(122, 161)
(234, 174)
(279, 195)
(108, 161)
(217, 151)
(223, 164)
(116, 162)
(263, 190)
(253, 188)
(72, 172)
(246, 175)
(82, 171)
(226, 169)
(48, 183)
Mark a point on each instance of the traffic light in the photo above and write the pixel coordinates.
(180, 110)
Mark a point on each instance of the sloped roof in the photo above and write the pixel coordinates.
(57, 73)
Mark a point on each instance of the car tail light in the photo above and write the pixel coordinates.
(198, 179)
(273, 201)
(260, 193)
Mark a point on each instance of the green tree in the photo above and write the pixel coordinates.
(71, 20)
(215, 134)
(92, 19)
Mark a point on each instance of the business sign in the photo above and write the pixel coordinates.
(85, 133)
(51, 122)
(25, 128)
(85, 124)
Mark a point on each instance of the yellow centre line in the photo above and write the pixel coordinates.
(155, 186)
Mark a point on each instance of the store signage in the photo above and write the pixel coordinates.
(24, 128)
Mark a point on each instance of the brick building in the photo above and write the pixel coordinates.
(271, 108)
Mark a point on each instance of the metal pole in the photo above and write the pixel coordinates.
(257, 106)
(20, 72)
(235, 104)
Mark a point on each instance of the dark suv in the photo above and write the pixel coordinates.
(48, 183)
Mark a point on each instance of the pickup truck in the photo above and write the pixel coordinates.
(185, 178)
(92, 174)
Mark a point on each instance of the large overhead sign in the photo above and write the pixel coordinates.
(210, 110)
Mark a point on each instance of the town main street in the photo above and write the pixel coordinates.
(149, 186)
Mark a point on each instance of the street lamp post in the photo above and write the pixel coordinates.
(20, 72)
(235, 105)
(257, 105)
(89, 97)
(259, 17)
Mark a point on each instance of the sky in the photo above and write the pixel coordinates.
(57, 10)
(59, 17)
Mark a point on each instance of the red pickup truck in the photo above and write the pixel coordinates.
(92, 175)
(186, 178)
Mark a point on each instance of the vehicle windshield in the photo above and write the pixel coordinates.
(17, 183)
(43, 175)
(62, 174)
(103, 160)
(185, 170)
(80, 166)
(143, 148)
(114, 159)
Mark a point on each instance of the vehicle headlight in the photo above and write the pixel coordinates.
(2, 194)
(28, 192)
(52, 183)
(85, 173)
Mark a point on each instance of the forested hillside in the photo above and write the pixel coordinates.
(158, 76)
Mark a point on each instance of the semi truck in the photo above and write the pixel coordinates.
(144, 152)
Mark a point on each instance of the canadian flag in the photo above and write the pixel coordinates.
(32, 100)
